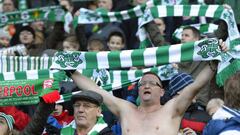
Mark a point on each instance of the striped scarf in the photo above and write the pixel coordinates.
(203, 50)
(71, 128)
(52, 13)
(213, 11)
(23, 88)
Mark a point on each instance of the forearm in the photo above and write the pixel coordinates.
(39, 120)
(206, 74)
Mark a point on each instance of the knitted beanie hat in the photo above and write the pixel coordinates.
(9, 119)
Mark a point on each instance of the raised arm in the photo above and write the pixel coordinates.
(113, 103)
(188, 93)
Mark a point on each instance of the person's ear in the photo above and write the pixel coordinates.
(99, 111)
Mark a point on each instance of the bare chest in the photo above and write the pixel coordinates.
(150, 124)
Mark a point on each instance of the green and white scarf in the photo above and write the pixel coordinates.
(213, 11)
(20, 49)
(203, 50)
(52, 13)
(23, 63)
(88, 16)
(24, 88)
(116, 79)
(70, 128)
(203, 28)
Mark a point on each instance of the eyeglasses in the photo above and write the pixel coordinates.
(85, 105)
(150, 83)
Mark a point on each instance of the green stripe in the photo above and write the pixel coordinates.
(91, 59)
(137, 60)
(105, 18)
(203, 28)
(118, 16)
(218, 12)
(162, 55)
(1, 77)
(114, 59)
(87, 72)
(29, 63)
(43, 74)
(154, 11)
(170, 10)
(202, 11)
(8, 64)
(124, 76)
(20, 75)
(187, 51)
(131, 13)
(186, 10)
(49, 62)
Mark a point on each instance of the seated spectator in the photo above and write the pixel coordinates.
(71, 44)
(87, 115)
(116, 41)
(213, 105)
(226, 120)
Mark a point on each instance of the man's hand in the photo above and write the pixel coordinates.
(223, 46)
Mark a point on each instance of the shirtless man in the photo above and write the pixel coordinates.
(150, 117)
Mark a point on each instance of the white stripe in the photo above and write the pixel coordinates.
(125, 58)
(37, 63)
(32, 63)
(83, 57)
(112, 16)
(32, 74)
(196, 57)
(11, 64)
(8, 76)
(131, 74)
(124, 14)
(25, 64)
(178, 10)
(194, 11)
(174, 53)
(146, 70)
(4, 65)
(1, 64)
(150, 56)
(16, 64)
(138, 11)
(162, 11)
(116, 79)
(102, 58)
(211, 10)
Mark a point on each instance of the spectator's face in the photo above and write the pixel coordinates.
(66, 4)
(188, 36)
(150, 89)
(38, 25)
(58, 110)
(4, 130)
(161, 25)
(26, 37)
(115, 43)
(107, 4)
(67, 46)
(8, 6)
(86, 113)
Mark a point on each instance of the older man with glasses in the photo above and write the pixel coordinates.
(87, 115)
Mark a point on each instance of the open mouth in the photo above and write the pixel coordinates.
(147, 92)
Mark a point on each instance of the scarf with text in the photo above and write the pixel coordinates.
(24, 88)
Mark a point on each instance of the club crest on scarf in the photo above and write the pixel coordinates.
(209, 48)
(69, 59)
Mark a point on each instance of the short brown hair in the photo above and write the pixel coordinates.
(232, 91)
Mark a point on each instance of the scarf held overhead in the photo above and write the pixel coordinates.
(203, 50)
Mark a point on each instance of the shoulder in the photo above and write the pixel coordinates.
(106, 131)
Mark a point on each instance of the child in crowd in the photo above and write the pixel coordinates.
(95, 44)
(71, 44)
(116, 41)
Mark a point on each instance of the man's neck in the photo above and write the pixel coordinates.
(83, 130)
